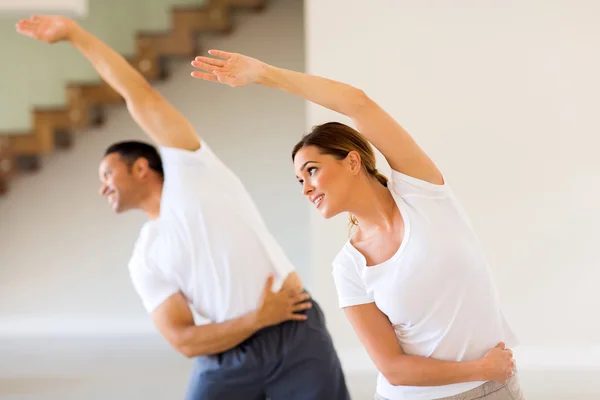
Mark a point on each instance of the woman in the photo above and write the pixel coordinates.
(412, 279)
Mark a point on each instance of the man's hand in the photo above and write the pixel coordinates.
(275, 308)
(49, 29)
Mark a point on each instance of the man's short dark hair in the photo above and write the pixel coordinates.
(130, 151)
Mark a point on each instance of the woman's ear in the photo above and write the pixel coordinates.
(354, 162)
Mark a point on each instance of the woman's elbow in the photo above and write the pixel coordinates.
(396, 375)
(394, 378)
(358, 103)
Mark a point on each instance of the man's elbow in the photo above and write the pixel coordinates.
(186, 351)
(182, 342)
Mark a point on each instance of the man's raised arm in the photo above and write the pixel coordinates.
(159, 119)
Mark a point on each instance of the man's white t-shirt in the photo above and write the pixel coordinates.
(436, 290)
(209, 242)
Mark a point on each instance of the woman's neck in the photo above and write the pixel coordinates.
(374, 209)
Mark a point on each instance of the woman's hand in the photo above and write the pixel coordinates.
(235, 70)
(499, 364)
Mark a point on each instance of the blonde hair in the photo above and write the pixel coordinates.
(337, 140)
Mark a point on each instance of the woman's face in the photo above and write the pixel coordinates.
(326, 181)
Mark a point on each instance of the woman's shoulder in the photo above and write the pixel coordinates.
(405, 185)
(347, 257)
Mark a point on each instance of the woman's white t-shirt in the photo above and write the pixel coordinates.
(436, 290)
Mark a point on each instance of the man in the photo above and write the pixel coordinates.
(205, 246)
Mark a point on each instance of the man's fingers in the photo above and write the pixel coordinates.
(300, 297)
(270, 280)
(24, 26)
(298, 317)
(28, 32)
(302, 306)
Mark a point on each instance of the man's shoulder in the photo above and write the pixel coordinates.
(149, 233)
(160, 242)
(147, 237)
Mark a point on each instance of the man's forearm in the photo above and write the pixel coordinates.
(407, 370)
(111, 66)
(219, 337)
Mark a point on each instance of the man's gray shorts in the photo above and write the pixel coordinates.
(291, 361)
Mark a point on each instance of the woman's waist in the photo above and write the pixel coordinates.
(455, 342)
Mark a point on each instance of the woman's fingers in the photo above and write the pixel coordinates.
(220, 53)
(215, 62)
(205, 76)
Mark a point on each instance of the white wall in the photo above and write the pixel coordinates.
(504, 97)
(63, 254)
(75, 7)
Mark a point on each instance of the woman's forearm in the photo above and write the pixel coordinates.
(407, 370)
(336, 96)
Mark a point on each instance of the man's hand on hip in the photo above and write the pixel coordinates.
(275, 308)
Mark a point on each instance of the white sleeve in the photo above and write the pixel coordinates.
(152, 287)
(174, 158)
(149, 281)
(405, 185)
(185, 170)
(350, 286)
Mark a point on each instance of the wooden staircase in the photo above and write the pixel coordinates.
(55, 128)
